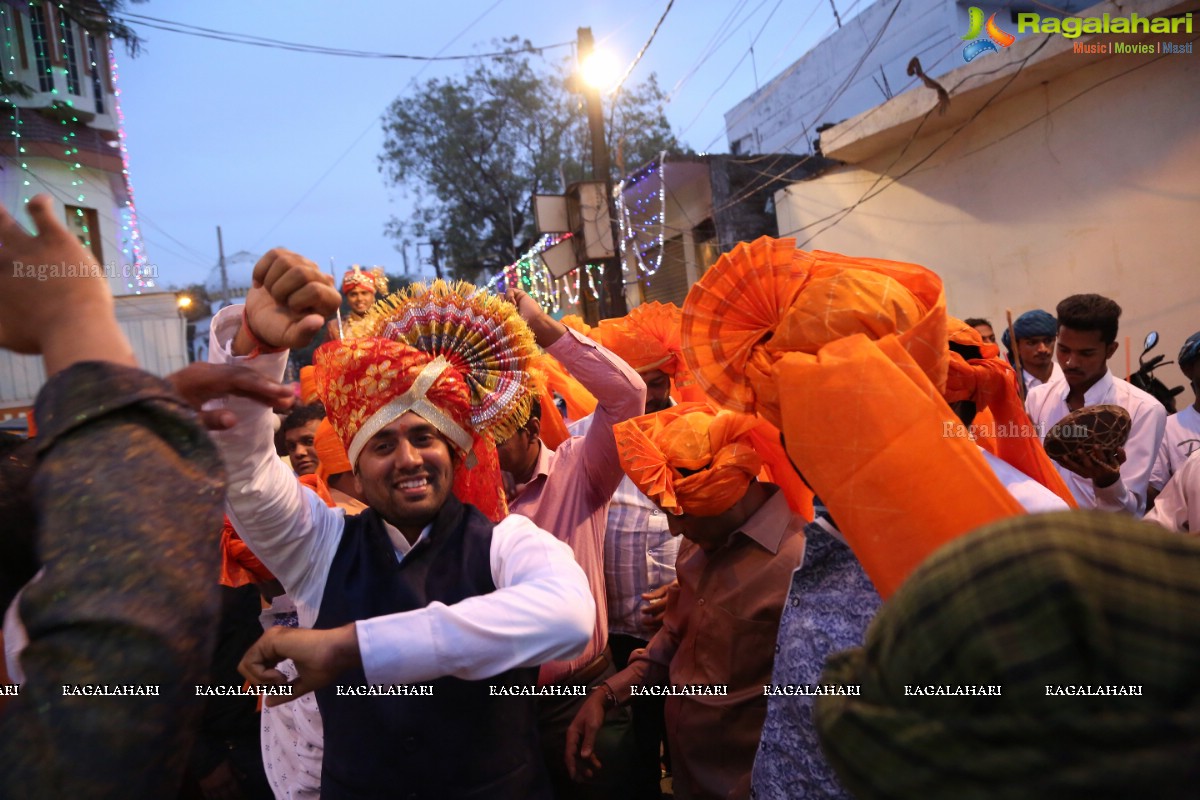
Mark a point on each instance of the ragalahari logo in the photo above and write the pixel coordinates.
(995, 36)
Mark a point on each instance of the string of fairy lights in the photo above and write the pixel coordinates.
(641, 231)
(130, 239)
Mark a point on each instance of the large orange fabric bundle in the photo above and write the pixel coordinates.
(848, 357)
(689, 459)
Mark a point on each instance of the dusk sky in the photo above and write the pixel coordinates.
(280, 148)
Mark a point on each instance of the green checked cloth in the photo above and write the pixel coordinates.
(1068, 615)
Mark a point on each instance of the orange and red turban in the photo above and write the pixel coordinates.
(372, 280)
(366, 384)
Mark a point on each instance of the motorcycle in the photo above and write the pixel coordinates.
(1144, 377)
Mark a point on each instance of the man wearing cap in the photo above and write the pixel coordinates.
(1036, 331)
(420, 588)
(1181, 436)
(718, 635)
(1087, 339)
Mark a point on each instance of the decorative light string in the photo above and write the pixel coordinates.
(14, 113)
(630, 237)
(131, 244)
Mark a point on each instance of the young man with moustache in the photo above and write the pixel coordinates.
(420, 588)
(1087, 339)
(1036, 332)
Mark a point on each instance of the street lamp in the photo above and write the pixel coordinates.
(592, 70)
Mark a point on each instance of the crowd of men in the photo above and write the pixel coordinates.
(811, 546)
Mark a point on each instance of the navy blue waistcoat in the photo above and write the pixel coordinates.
(461, 742)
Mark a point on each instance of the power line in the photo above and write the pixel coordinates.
(300, 47)
(872, 191)
(642, 52)
(374, 120)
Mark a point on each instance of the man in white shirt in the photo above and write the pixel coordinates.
(1182, 435)
(1036, 332)
(1087, 333)
(420, 588)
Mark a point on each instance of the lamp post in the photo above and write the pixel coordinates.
(614, 280)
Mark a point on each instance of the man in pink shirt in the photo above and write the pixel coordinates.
(567, 491)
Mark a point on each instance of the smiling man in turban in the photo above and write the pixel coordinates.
(741, 544)
(421, 587)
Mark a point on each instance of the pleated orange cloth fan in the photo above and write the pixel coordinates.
(848, 357)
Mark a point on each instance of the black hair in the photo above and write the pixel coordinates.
(301, 416)
(1090, 312)
(974, 322)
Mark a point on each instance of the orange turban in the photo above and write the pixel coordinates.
(848, 357)
(713, 446)
(331, 456)
(366, 384)
(647, 338)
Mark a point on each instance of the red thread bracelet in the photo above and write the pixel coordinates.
(260, 347)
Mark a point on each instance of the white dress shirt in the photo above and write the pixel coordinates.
(1047, 404)
(1035, 498)
(1032, 381)
(541, 609)
(1178, 507)
(1180, 439)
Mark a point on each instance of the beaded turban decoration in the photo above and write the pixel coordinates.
(372, 280)
(480, 335)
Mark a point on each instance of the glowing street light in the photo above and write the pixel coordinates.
(184, 302)
(599, 70)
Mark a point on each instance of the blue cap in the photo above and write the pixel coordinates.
(1031, 323)
(1190, 351)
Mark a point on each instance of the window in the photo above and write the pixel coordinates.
(97, 86)
(68, 42)
(85, 224)
(41, 49)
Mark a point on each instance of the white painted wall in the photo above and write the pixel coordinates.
(828, 84)
(1086, 182)
(101, 190)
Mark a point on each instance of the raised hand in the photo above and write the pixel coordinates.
(288, 304)
(200, 382)
(66, 319)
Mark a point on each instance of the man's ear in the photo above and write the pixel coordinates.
(534, 426)
(1109, 349)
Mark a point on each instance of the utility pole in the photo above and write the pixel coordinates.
(437, 257)
(224, 275)
(614, 277)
